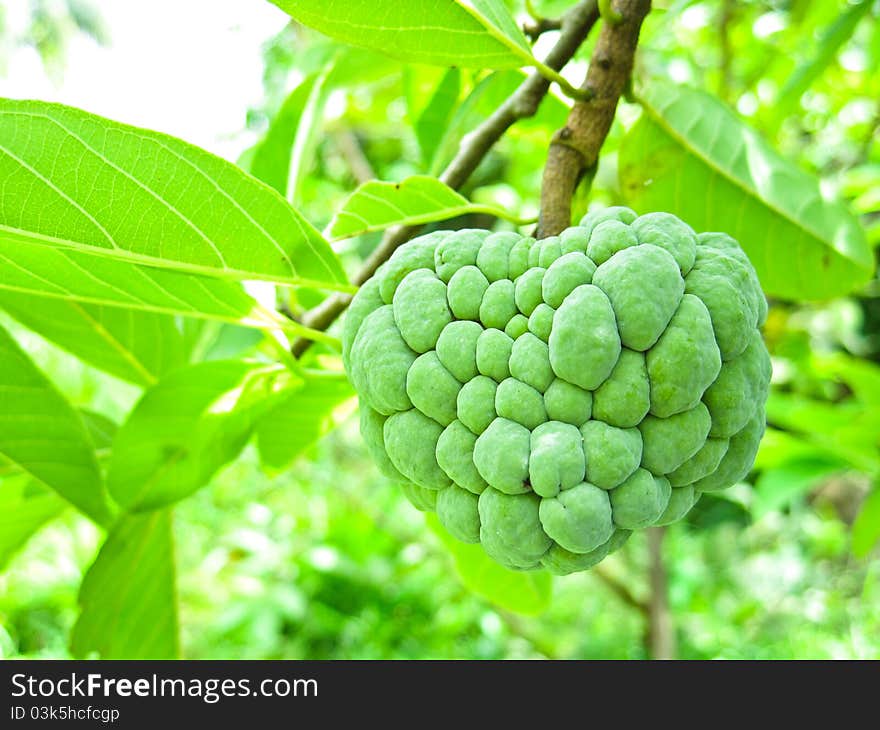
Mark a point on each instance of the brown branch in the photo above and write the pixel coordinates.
(574, 149)
(620, 590)
(661, 633)
(539, 26)
(725, 81)
(352, 153)
(474, 147)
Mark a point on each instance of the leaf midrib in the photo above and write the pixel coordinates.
(119, 254)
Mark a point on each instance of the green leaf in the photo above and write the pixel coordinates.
(286, 150)
(860, 376)
(690, 155)
(75, 180)
(301, 418)
(135, 346)
(831, 40)
(42, 434)
(186, 427)
(523, 592)
(25, 506)
(866, 528)
(431, 96)
(128, 598)
(778, 487)
(466, 33)
(376, 205)
(66, 274)
(845, 429)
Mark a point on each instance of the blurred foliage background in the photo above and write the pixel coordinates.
(327, 560)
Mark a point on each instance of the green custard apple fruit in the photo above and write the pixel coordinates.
(546, 398)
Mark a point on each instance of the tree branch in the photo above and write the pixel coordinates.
(574, 149)
(725, 80)
(620, 590)
(474, 147)
(661, 633)
(539, 26)
(352, 153)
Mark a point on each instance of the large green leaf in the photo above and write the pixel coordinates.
(846, 429)
(523, 592)
(41, 433)
(186, 427)
(466, 33)
(64, 273)
(25, 506)
(135, 346)
(431, 97)
(76, 180)
(301, 418)
(128, 599)
(376, 205)
(690, 155)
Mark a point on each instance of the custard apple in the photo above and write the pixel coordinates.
(546, 398)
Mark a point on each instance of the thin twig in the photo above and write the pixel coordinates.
(725, 81)
(537, 28)
(661, 632)
(352, 153)
(473, 149)
(574, 149)
(620, 590)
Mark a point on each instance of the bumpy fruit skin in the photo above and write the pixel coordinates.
(546, 398)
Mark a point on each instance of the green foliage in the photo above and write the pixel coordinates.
(136, 346)
(213, 406)
(43, 436)
(128, 602)
(122, 257)
(285, 153)
(68, 274)
(248, 232)
(469, 33)
(26, 506)
(377, 205)
(304, 412)
(525, 593)
(686, 140)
